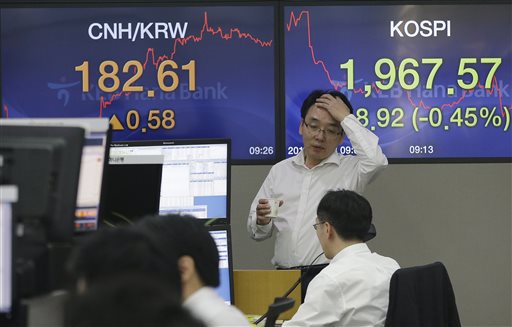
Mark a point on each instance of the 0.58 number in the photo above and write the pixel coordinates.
(156, 119)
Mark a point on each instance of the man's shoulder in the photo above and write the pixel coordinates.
(215, 311)
(228, 315)
(389, 262)
(356, 264)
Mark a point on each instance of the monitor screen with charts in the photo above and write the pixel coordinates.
(168, 177)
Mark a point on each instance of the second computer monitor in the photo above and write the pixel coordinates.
(222, 237)
(182, 176)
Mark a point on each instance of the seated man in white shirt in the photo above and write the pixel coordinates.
(198, 262)
(353, 289)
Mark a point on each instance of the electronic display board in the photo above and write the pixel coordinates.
(158, 71)
(433, 81)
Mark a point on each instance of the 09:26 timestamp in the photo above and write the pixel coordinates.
(261, 150)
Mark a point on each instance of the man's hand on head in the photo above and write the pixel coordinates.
(335, 106)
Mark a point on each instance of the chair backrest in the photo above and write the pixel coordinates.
(281, 304)
(422, 296)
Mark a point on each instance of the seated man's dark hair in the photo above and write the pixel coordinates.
(129, 300)
(348, 212)
(187, 235)
(109, 253)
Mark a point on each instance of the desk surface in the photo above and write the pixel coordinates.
(255, 290)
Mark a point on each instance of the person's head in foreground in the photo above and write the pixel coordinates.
(129, 300)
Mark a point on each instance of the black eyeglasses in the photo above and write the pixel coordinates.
(315, 225)
(329, 132)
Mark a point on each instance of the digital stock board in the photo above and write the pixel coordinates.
(432, 81)
(174, 72)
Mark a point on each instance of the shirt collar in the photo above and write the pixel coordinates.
(198, 295)
(332, 159)
(350, 250)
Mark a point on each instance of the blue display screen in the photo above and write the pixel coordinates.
(158, 72)
(432, 81)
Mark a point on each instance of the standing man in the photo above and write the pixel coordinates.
(353, 290)
(301, 181)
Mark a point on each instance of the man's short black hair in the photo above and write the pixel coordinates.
(187, 235)
(311, 100)
(130, 300)
(348, 212)
(112, 252)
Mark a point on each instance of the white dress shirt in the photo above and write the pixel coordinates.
(302, 188)
(209, 307)
(353, 290)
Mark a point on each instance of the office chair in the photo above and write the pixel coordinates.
(280, 305)
(422, 296)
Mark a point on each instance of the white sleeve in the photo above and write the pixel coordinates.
(322, 306)
(366, 144)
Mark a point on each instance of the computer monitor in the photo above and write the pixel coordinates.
(222, 236)
(164, 177)
(8, 195)
(92, 168)
(44, 162)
